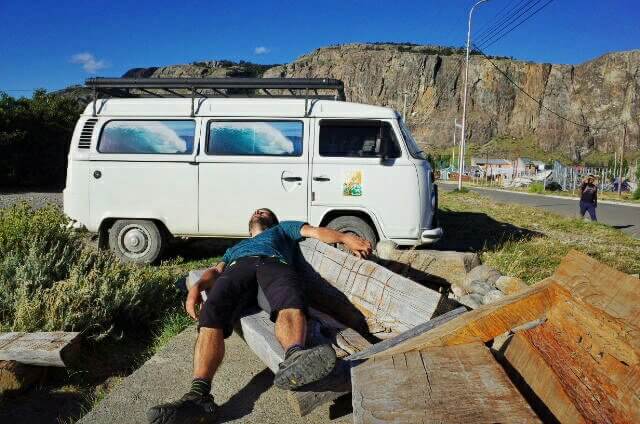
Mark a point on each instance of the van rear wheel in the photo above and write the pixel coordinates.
(136, 240)
(354, 225)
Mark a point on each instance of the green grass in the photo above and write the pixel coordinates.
(536, 188)
(527, 242)
(170, 326)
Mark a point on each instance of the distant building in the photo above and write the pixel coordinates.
(526, 166)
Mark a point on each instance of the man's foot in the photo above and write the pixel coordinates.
(305, 366)
(191, 408)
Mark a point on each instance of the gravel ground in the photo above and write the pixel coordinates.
(34, 198)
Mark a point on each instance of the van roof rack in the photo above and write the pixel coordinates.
(304, 88)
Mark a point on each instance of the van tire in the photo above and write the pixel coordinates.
(136, 240)
(354, 225)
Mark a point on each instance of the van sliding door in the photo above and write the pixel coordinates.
(252, 163)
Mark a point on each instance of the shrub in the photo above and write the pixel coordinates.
(50, 280)
(536, 188)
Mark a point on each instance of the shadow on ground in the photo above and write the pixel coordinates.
(474, 231)
(67, 393)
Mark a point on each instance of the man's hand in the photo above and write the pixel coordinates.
(194, 299)
(194, 296)
(359, 246)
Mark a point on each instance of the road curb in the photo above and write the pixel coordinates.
(606, 202)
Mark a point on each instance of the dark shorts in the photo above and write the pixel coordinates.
(588, 207)
(236, 290)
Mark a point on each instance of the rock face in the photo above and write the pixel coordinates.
(597, 93)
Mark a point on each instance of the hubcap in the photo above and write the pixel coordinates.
(134, 241)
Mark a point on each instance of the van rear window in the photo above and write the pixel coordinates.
(147, 137)
(359, 139)
(255, 138)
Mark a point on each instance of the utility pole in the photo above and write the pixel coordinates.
(404, 108)
(453, 151)
(464, 98)
(624, 138)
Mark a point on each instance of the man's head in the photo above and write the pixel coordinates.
(591, 179)
(261, 219)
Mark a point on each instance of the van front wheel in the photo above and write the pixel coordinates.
(354, 225)
(136, 240)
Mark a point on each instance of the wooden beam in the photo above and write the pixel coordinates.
(52, 349)
(363, 295)
(452, 384)
(581, 363)
(488, 321)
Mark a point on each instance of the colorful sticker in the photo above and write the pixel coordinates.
(353, 182)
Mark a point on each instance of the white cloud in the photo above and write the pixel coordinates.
(89, 62)
(261, 50)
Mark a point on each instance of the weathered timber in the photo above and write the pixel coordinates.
(452, 384)
(16, 377)
(363, 295)
(489, 321)
(407, 335)
(581, 363)
(52, 349)
(339, 382)
(614, 292)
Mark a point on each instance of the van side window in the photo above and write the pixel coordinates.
(367, 139)
(147, 137)
(255, 138)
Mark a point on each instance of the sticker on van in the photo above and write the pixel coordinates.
(352, 183)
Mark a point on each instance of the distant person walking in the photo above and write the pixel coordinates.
(589, 197)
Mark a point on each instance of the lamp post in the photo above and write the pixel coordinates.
(464, 99)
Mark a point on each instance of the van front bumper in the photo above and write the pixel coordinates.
(431, 236)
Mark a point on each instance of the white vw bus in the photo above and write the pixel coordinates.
(142, 170)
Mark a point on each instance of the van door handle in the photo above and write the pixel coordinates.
(291, 179)
(321, 178)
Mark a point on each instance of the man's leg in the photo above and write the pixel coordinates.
(291, 328)
(283, 290)
(208, 353)
(592, 212)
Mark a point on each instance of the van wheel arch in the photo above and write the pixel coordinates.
(332, 216)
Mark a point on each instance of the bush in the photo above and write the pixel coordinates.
(536, 188)
(34, 139)
(51, 281)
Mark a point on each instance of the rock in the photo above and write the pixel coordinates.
(479, 287)
(481, 273)
(387, 249)
(16, 377)
(510, 285)
(499, 341)
(439, 267)
(457, 291)
(492, 296)
(472, 300)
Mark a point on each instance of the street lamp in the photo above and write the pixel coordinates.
(464, 99)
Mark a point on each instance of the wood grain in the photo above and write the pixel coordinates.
(53, 349)
(453, 384)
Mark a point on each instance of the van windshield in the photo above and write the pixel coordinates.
(413, 147)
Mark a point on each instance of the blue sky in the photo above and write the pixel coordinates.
(52, 44)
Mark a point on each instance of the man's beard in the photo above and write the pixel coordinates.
(261, 222)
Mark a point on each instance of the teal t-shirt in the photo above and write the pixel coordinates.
(279, 241)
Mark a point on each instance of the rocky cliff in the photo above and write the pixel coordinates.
(595, 94)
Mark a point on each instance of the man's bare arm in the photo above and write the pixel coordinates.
(360, 247)
(194, 298)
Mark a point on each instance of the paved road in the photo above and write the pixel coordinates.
(625, 218)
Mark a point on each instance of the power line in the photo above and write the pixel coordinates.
(505, 19)
(489, 42)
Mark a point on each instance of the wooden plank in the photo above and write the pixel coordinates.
(362, 294)
(488, 321)
(581, 363)
(453, 384)
(614, 292)
(53, 349)
(407, 335)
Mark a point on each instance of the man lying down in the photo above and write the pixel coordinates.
(264, 260)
